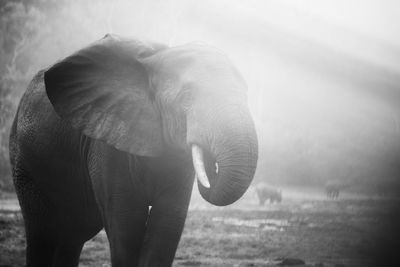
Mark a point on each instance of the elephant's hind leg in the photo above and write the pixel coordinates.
(48, 241)
(39, 250)
(45, 251)
(39, 223)
(67, 254)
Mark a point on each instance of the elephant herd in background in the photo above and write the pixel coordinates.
(266, 192)
(273, 195)
(333, 188)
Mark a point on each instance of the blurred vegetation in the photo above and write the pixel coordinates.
(19, 22)
(28, 43)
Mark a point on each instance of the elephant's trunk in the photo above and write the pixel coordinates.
(226, 161)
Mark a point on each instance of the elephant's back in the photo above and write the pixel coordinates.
(48, 152)
(38, 129)
(43, 143)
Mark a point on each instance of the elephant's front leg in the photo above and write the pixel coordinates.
(122, 204)
(126, 226)
(125, 216)
(165, 225)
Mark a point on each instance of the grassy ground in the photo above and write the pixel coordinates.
(347, 232)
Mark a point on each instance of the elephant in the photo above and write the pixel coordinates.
(266, 192)
(114, 136)
(333, 188)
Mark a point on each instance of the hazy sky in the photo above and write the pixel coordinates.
(323, 76)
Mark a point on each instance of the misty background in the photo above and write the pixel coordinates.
(323, 76)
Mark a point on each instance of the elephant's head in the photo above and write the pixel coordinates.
(144, 98)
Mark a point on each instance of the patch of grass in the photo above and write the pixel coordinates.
(328, 234)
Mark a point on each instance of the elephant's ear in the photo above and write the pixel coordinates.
(103, 90)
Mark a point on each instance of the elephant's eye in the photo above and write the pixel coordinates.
(185, 99)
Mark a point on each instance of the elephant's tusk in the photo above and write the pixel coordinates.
(198, 163)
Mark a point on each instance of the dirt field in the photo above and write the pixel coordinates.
(352, 231)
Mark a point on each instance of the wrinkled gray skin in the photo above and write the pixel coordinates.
(107, 132)
(266, 192)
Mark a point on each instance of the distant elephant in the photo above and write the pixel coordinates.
(266, 192)
(112, 130)
(333, 188)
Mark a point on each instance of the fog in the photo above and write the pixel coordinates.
(323, 76)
